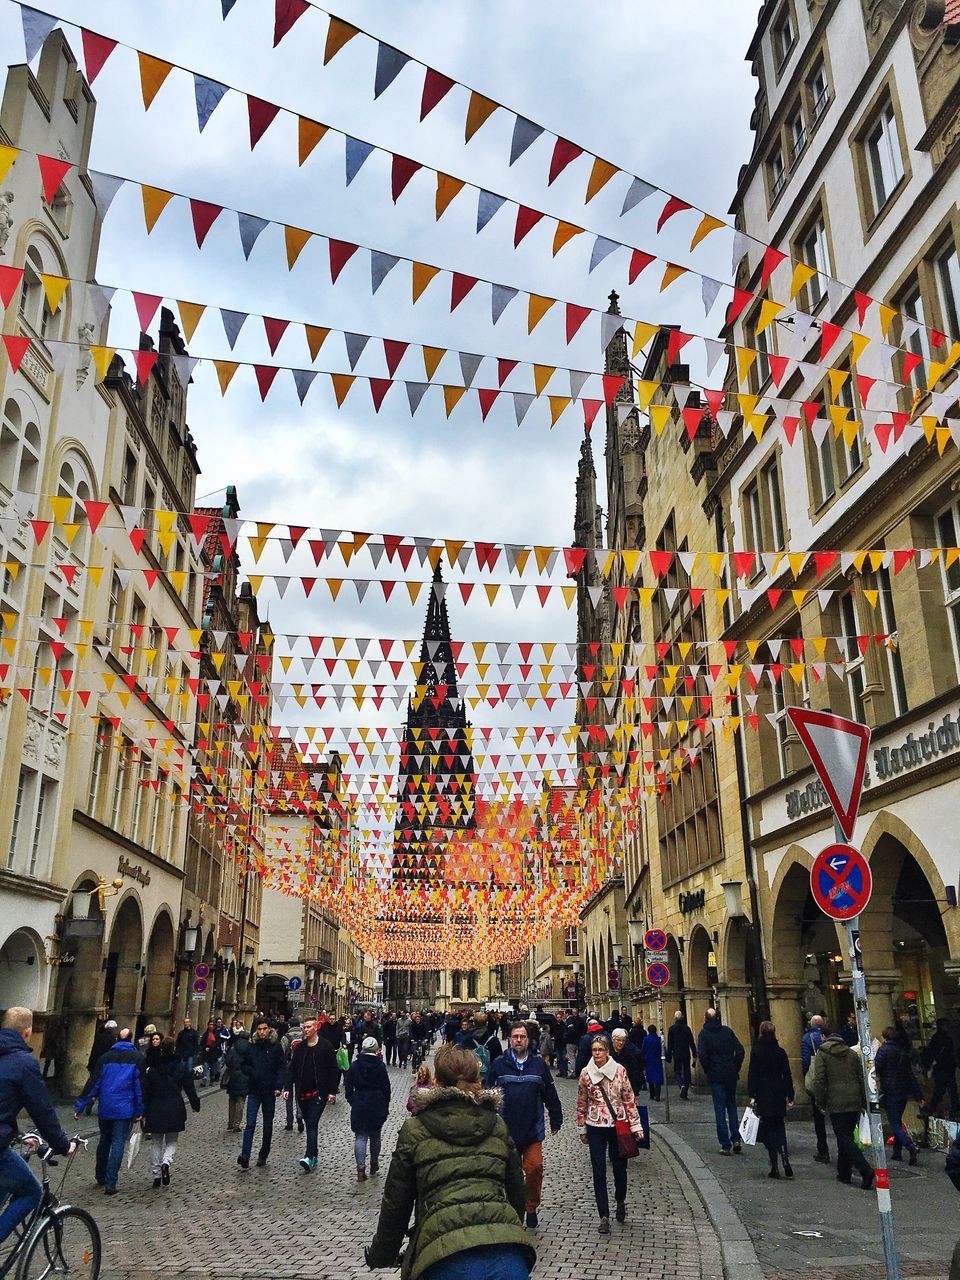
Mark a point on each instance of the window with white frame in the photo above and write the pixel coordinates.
(571, 940)
(948, 283)
(798, 135)
(782, 724)
(74, 484)
(825, 477)
(33, 306)
(815, 252)
(119, 789)
(851, 454)
(784, 35)
(948, 527)
(917, 338)
(818, 87)
(777, 170)
(40, 843)
(898, 688)
(24, 785)
(19, 449)
(884, 157)
(853, 655)
(98, 767)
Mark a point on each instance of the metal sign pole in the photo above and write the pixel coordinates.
(878, 1151)
(663, 1056)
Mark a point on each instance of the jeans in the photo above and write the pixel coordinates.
(113, 1136)
(360, 1149)
(269, 1104)
(681, 1072)
(164, 1149)
(311, 1110)
(849, 1155)
(725, 1111)
(188, 1063)
(894, 1109)
(390, 1051)
(491, 1262)
(24, 1191)
(601, 1141)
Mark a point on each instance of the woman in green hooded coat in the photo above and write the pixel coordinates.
(457, 1171)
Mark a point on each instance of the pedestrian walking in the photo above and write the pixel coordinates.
(770, 1085)
(652, 1050)
(105, 1039)
(390, 1038)
(940, 1059)
(150, 1047)
(528, 1088)
(188, 1043)
(837, 1087)
(294, 1035)
(313, 1075)
(682, 1052)
(164, 1112)
(624, 1054)
(119, 1092)
(210, 1050)
(22, 1089)
(456, 1170)
(810, 1043)
(585, 1046)
(547, 1047)
(896, 1085)
(238, 1080)
(851, 1035)
(404, 1025)
(721, 1057)
(264, 1083)
(367, 1090)
(604, 1096)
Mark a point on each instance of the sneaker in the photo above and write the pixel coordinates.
(604, 1226)
(261, 1161)
(156, 1183)
(109, 1191)
(533, 1221)
(308, 1163)
(737, 1148)
(243, 1162)
(621, 1210)
(165, 1174)
(868, 1180)
(725, 1151)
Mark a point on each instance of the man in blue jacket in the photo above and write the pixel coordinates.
(810, 1044)
(22, 1087)
(527, 1086)
(119, 1088)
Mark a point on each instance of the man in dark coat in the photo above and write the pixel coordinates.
(721, 1056)
(22, 1088)
(266, 1072)
(313, 1075)
(896, 1085)
(188, 1042)
(940, 1059)
(810, 1044)
(105, 1039)
(583, 1046)
(238, 1080)
(390, 1037)
(681, 1050)
(837, 1086)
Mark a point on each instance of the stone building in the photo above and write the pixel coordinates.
(854, 175)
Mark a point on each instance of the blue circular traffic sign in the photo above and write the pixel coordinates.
(841, 882)
(294, 984)
(655, 940)
(658, 975)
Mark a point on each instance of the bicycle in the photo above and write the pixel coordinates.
(55, 1239)
(418, 1054)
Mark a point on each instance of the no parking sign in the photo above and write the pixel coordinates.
(841, 882)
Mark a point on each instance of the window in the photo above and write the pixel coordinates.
(780, 721)
(140, 777)
(825, 476)
(771, 481)
(917, 341)
(884, 157)
(472, 980)
(101, 746)
(853, 655)
(19, 450)
(73, 484)
(849, 456)
(455, 984)
(898, 688)
(571, 940)
(754, 529)
(128, 478)
(116, 600)
(777, 171)
(761, 368)
(34, 309)
(816, 253)
(784, 36)
(764, 528)
(40, 839)
(818, 89)
(18, 813)
(120, 784)
(798, 136)
(948, 283)
(948, 524)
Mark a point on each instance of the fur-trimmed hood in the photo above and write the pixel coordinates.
(459, 1118)
(435, 1093)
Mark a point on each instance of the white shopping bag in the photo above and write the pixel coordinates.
(749, 1127)
(863, 1130)
(133, 1146)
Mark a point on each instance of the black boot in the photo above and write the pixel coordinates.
(774, 1171)
(787, 1167)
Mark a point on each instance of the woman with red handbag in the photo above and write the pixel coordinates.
(608, 1122)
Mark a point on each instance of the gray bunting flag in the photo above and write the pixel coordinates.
(36, 27)
(209, 94)
(602, 248)
(381, 264)
(250, 229)
(355, 154)
(303, 380)
(487, 205)
(469, 364)
(525, 132)
(501, 297)
(522, 400)
(105, 187)
(233, 322)
(390, 62)
(636, 192)
(415, 393)
(355, 343)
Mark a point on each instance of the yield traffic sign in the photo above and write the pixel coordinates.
(841, 882)
(838, 751)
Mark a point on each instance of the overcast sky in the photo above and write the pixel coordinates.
(662, 90)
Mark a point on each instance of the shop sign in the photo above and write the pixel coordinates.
(695, 901)
(134, 871)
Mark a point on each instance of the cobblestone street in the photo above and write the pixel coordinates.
(216, 1221)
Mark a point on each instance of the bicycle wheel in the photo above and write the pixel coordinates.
(67, 1244)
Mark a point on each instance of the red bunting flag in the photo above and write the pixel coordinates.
(573, 558)
(882, 432)
(146, 305)
(910, 361)
(16, 345)
(778, 367)
(575, 318)
(144, 360)
(829, 333)
(692, 417)
(527, 219)
(460, 286)
(261, 116)
(487, 396)
(435, 87)
(673, 205)
(402, 171)
(639, 261)
(504, 370)
(744, 563)
(96, 50)
(790, 426)
(864, 386)
(95, 513)
(660, 562)
(274, 329)
(771, 260)
(863, 301)
(393, 353)
(40, 528)
(265, 374)
(52, 172)
(714, 401)
(340, 254)
(204, 216)
(10, 278)
(741, 299)
(612, 382)
(675, 344)
(288, 12)
(378, 389)
(564, 153)
(590, 410)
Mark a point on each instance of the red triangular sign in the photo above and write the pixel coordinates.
(838, 752)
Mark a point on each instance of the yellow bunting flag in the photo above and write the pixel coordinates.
(642, 333)
(225, 371)
(342, 382)
(309, 133)
(859, 342)
(557, 405)
(295, 238)
(746, 359)
(708, 223)
(802, 274)
(155, 201)
(887, 315)
(646, 390)
(431, 359)
(564, 233)
(542, 373)
(447, 190)
(600, 175)
(659, 416)
(673, 272)
(537, 309)
(768, 313)
(837, 379)
(452, 397)
(478, 113)
(60, 508)
(316, 337)
(102, 359)
(54, 287)
(7, 157)
(423, 273)
(190, 313)
(153, 72)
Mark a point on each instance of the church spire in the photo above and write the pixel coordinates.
(615, 358)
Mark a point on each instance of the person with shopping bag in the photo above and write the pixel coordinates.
(164, 1112)
(609, 1123)
(836, 1081)
(770, 1086)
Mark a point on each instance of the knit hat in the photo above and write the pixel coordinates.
(370, 1045)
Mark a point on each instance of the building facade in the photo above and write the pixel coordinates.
(854, 174)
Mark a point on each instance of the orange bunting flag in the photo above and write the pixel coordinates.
(316, 336)
(478, 113)
(190, 313)
(309, 133)
(564, 234)
(557, 405)
(600, 175)
(708, 223)
(339, 33)
(153, 72)
(423, 273)
(537, 309)
(295, 238)
(155, 201)
(447, 190)
(225, 371)
(673, 272)
(431, 360)
(342, 382)
(452, 397)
